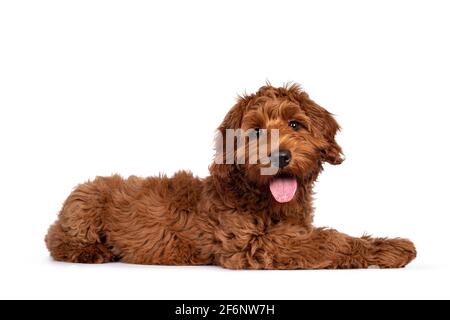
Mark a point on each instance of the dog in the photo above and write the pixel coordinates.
(237, 217)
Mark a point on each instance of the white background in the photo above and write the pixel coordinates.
(137, 87)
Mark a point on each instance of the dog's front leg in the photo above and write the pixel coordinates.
(331, 249)
(293, 248)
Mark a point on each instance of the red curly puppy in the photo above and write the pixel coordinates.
(237, 218)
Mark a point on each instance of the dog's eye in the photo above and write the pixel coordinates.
(258, 131)
(295, 125)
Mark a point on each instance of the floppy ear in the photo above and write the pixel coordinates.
(325, 123)
(232, 120)
(333, 154)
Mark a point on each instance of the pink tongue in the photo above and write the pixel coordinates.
(283, 189)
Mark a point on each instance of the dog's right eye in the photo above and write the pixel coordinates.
(258, 131)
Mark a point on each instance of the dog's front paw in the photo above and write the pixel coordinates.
(392, 253)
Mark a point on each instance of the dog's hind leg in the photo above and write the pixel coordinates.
(77, 235)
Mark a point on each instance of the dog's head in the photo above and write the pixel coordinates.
(305, 134)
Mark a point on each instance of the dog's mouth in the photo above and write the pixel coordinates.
(283, 188)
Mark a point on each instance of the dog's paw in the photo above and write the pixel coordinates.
(392, 253)
(94, 254)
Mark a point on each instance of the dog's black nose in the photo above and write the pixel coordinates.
(281, 158)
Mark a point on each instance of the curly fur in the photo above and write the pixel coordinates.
(229, 218)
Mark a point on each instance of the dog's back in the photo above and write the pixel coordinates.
(151, 221)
